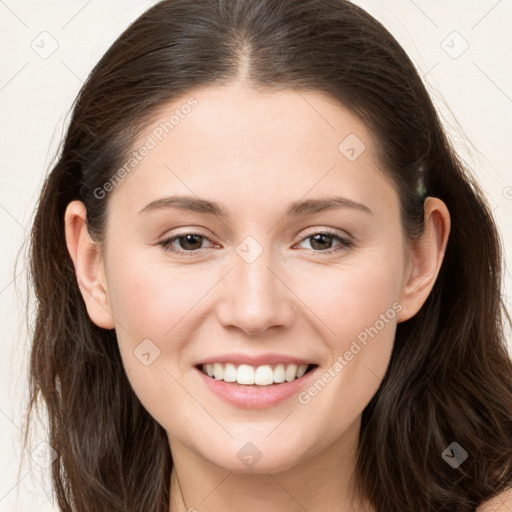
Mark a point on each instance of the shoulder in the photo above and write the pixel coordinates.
(500, 503)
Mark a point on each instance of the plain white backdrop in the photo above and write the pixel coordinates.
(462, 48)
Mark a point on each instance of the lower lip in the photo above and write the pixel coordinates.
(255, 397)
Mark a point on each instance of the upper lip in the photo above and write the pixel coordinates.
(254, 360)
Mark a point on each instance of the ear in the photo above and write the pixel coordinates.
(425, 257)
(87, 259)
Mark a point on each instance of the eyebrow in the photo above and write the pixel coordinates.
(296, 209)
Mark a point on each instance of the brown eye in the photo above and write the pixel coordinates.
(322, 242)
(187, 243)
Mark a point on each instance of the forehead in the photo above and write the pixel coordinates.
(248, 122)
(249, 145)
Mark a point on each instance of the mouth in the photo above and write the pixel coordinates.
(263, 376)
(255, 387)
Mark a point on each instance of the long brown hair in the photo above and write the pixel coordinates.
(450, 375)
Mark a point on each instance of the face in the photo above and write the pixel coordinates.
(268, 279)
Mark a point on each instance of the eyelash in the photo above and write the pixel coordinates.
(344, 242)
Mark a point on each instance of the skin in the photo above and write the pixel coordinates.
(255, 153)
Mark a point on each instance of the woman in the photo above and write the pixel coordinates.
(264, 276)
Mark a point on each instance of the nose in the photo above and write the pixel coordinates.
(256, 296)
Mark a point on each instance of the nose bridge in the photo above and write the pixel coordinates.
(258, 298)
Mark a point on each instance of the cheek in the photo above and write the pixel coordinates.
(357, 307)
(149, 300)
(156, 308)
(352, 296)
(151, 305)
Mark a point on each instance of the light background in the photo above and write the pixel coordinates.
(473, 92)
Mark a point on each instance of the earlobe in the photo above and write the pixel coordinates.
(425, 258)
(88, 261)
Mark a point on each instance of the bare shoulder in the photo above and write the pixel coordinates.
(500, 503)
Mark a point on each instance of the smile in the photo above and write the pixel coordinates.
(243, 387)
(248, 375)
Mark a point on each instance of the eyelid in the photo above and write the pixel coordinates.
(167, 241)
(345, 241)
(332, 231)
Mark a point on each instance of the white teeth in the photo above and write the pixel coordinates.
(263, 375)
(279, 374)
(218, 371)
(245, 374)
(291, 372)
(230, 373)
(301, 370)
